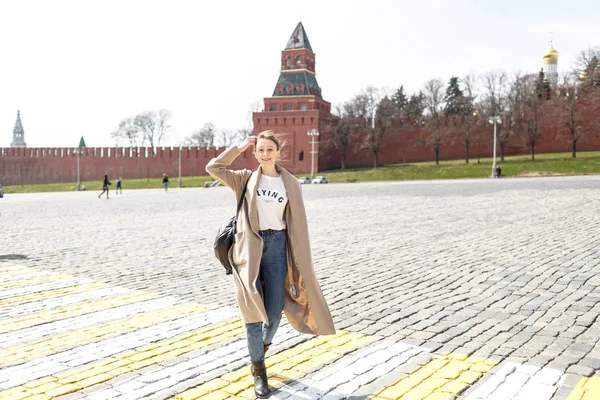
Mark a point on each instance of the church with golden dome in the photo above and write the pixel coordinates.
(550, 65)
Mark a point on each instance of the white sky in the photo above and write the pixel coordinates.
(78, 67)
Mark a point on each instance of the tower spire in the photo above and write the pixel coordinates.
(18, 133)
(297, 76)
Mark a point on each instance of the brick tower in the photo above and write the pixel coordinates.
(296, 105)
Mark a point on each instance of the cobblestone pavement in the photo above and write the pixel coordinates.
(475, 289)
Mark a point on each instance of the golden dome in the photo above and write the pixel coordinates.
(551, 53)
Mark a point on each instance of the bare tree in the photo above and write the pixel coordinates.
(228, 137)
(153, 125)
(255, 106)
(345, 125)
(163, 126)
(494, 102)
(384, 116)
(129, 131)
(467, 113)
(203, 137)
(530, 110)
(366, 103)
(433, 102)
(511, 114)
(587, 67)
(571, 111)
(241, 134)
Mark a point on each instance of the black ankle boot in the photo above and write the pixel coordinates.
(266, 347)
(261, 386)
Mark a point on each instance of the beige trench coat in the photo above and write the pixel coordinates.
(305, 306)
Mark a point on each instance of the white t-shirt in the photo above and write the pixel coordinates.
(271, 201)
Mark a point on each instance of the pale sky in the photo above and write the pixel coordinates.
(78, 67)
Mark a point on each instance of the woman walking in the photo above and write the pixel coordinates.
(273, 269)
(105, 184)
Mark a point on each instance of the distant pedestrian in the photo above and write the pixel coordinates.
(105, 184)
(119, 188)
(165, 182)
(499, 171)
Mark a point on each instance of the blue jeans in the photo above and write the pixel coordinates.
(271, 286)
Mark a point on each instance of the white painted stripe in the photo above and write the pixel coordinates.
(25, 275)
(197, 369)
(524, 381)
(20, 336)
(23, 290)
(73, 358)
(347, 375)
(11, 267)
(65, 300)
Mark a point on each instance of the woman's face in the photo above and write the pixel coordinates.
(266, 152)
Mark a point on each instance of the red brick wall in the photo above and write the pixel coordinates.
(51, 165)
(407, 145)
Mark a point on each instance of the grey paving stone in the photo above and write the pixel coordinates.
(443, 278)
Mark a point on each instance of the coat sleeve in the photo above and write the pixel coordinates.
(217, 168)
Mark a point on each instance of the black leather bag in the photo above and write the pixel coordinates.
(226, 236)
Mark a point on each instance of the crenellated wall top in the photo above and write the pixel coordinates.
(107, 152)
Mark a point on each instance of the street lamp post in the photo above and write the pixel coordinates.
(179, 181)
(495, 121)
(78, 181)
(312, 133)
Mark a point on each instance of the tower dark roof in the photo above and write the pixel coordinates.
(298, 40)
(82, 143)
(297, 84)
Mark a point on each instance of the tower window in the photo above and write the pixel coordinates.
(288, 61)
(297, 60)
(288, 107)
(273, 107)
(301, 155)
(290, 88)
(303, 106)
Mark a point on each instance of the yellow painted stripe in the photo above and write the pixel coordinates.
(48, 294)
(35, 281)
(85, 307)
(24, 270)
(586, 389)
(282, 367)
(440, 379)
(90, 374)
(55, 344)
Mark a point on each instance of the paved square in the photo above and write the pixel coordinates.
(479, 289)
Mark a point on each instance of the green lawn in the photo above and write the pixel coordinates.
(516, 166)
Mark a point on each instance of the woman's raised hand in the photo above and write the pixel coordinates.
(249, 141)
